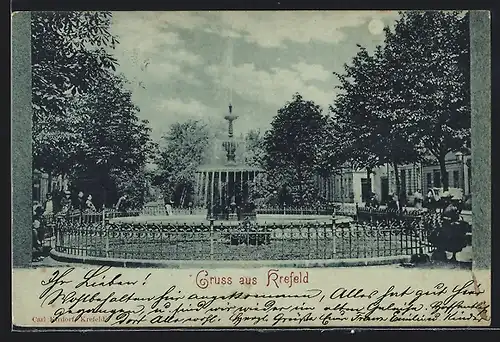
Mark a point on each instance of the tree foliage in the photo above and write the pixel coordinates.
(185, 148)
(85, 124)
(254, 148)
(69, 55)
(374, 124)
(293, 149)
(409, 98)
(429, 57)
(115, 144)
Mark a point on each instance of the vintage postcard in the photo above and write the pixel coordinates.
(246, 169)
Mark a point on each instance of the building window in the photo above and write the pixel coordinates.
(437, 179)
(403, 182)
(410, 183)
(429, 180)
(456, 179)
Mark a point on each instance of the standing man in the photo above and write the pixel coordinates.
(81, 202)
(66, 202)
(393, 207)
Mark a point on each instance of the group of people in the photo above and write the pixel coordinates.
(44, 212)
(65, 204)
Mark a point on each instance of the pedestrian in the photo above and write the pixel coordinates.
(81, 201)
(56, 200)
(393, 207)
(37, 209)
(432, 200)
(89, 206)
(168, 207)
(66, 205)
(48, 206)
(393, 203)
(450, 212)
(36, 242)
(418, 199)
(373, 201)
(48, 214)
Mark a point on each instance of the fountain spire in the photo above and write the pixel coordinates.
(230, 117)
(230, 144)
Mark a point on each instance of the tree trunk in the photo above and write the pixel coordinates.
(368, 179)
(398, 183)
(183, 196)
(444, 178)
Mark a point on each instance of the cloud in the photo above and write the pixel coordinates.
(273, 87)
(309, 72)
(182, 19)
(183, 108)
(150, 52)
(264, 28)
(274, 29)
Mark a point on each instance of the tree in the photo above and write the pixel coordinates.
(429, 58)
(185, 148)
(115, 145)
(374, 126)
(292, 148)
(254, 148)
(69, 55)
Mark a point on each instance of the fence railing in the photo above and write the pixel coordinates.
(93, 234)
(161, 211)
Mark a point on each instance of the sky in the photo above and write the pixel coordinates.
(191, 65)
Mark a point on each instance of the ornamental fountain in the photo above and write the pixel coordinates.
(228, 184)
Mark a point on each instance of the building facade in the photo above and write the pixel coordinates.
(423, 177)
(43, 183)
(348, 185)
(458, 169)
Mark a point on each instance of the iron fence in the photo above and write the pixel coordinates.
(160, 210)
(94, 234)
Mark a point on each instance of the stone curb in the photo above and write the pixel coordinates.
(137, 263)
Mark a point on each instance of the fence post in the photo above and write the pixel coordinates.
(356, 212)
(421, 238)
(106, 231)
(57, 236)
(211, 237)
(334, 237)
